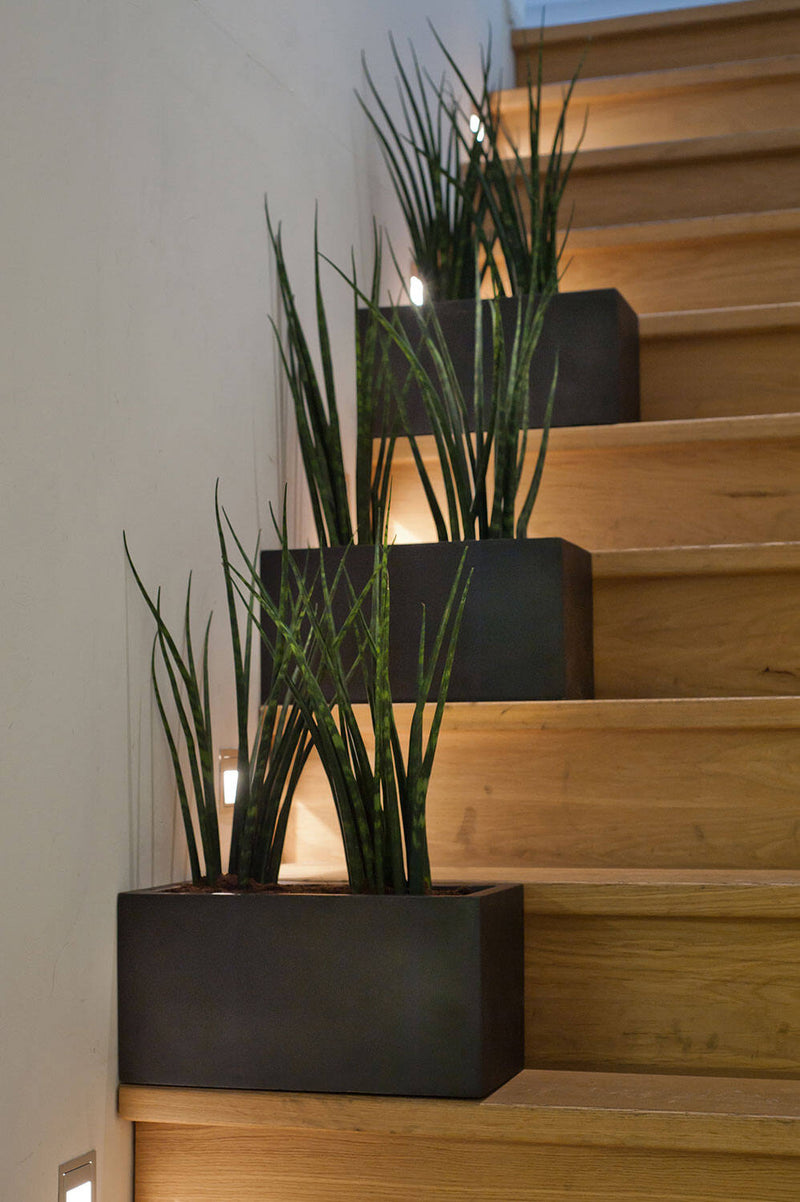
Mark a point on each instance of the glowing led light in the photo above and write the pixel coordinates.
(228, 776)
(230, 779)
(476, 126)
(402, 534)
(416, 290)
(80, 1193)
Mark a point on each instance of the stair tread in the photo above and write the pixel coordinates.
(758, 427)
(651, 1093)
(634, 713)
(761, 427)
(642, 892)
(682, 37)
(643, 22)
(651, 713)
(652, 892)
(684, 229)
(724, 558)
(737, 318)
(687, 150)
(537, 1106)
(664, 80)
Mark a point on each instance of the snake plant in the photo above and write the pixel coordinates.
(481, 447)
(464, 186)
(380, 794)
(316, 409)
(269, 767)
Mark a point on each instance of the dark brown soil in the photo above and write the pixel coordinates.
(229, 883)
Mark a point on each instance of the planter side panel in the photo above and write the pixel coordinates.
(595, 334)
(346, 994)
(526, 634)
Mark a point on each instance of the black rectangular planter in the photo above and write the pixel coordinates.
(526, 634)
(596, 334)
(343, 993)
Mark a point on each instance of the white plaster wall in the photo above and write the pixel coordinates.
(138, 137)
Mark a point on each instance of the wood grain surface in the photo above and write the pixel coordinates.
(629, 1109)
(207, 1164)
(652, 41)
(720, 362)
(695, 784)
(664, 105)
(702, 622)
(703, 262)
(660, 181)
(721, 480)
(685, 995)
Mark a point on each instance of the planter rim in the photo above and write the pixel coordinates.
(461, 300)
(441, 893)
(441, 542)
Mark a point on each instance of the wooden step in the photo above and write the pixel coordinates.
(694, 263)
(697, 621)
(720, 362)
(663, 106)
(648, 484)
(696, 177)
(681, 37)
(543, 1137)
(595, 784)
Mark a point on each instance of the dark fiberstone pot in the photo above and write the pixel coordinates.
(344, 993)
(596, 335)
(526, 633)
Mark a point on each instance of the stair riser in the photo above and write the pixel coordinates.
(696, 273)
(682, 494)
(674, 797)
(176, 1163)
(724, 37)
(678, 495)
(714, 635)
(629, 993)
(661, 114)
(670, 190)
(720, 375)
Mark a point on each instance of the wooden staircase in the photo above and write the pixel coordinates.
(657, 828)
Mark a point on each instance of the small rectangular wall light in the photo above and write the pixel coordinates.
(228, 775)
(76, 1179)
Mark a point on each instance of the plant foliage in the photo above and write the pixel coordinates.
(521, 194)
(317, 415)
(464, 185)
(481, 447)
(436, 174)
(380, 794)
(268, 770)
